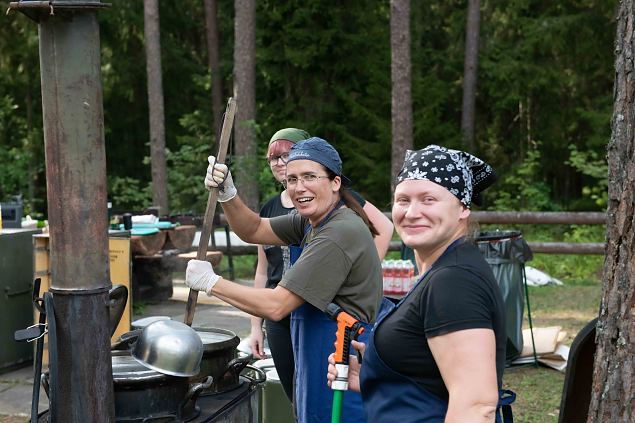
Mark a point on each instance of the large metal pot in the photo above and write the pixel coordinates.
(142, 394)
(220, 359)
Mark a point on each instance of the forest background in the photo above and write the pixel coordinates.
(543, 106)
(543, 109)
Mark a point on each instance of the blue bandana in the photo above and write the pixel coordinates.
(319, 151)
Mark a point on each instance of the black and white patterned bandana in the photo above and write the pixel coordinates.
(461, 173)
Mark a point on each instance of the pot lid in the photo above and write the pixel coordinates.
(126, 369)
(215, 339)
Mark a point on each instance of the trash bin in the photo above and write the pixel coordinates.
(275, 407)
(506, 252)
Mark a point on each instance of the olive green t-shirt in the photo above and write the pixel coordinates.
(339, 263)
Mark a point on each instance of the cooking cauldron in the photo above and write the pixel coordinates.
(220, 359)
(145, 395)
(142, 394)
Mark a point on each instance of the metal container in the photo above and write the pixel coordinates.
(16, 266)
(142, 323)
(145, 394)
(169, 347)
(274, 407)
(11, 214)
(220, 359)
(239, 405)
(150, 401)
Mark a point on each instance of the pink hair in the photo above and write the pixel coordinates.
(279, 147)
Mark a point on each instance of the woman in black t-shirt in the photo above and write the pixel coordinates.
(439, 355)
(274, 260)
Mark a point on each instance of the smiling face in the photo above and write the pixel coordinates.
(316, 199)
(427, 217)
(277, 153)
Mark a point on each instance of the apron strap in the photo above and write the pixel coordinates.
(504, 410)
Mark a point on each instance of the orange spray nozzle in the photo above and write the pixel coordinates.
(348, 328)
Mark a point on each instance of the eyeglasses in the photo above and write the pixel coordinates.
(284, 157)
(307, 180)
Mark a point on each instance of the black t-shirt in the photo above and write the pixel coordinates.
(278, 256)
(461, 293)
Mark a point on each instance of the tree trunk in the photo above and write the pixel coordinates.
(401, 83)
(213, 53)
(32, 170)
(613, 390)
(470, 72)
(155, 103)
(246, 169)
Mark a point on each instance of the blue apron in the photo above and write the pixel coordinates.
(313, 337)
(391, 395)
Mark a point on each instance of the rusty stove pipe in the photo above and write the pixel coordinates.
(75, 154)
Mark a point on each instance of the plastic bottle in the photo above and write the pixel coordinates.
(405, 285)
(410, 277)
(384, 268)
(390, 275)
(398, 280)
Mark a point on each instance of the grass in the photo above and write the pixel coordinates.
(539, 389)
(244, 266)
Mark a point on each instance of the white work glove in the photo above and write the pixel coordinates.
(219, 176)
(200, 276)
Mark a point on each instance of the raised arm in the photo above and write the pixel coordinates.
(384, 227)
(245, 223)
(467, 361)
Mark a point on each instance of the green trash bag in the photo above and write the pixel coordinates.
(506, 252)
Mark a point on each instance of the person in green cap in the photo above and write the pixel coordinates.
(274, 260)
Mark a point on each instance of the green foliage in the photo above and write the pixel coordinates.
(127, 193)
(589, 164)
(139, 308)
(21, 146)
(575, 268)
(545, 73)
(244, 267)
(522, 189)
(186, 171)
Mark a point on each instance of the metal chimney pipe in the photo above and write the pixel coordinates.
(76, 187)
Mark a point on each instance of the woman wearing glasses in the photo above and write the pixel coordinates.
(274, 260)
(335, 260)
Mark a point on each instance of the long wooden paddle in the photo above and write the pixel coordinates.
(206, 231)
